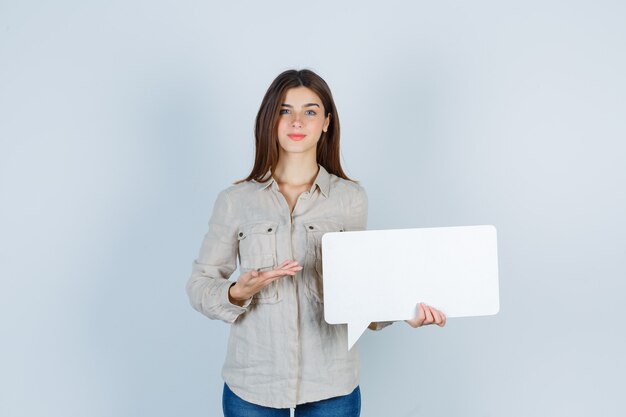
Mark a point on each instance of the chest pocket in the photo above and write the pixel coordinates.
(257, 250)
(313, 276)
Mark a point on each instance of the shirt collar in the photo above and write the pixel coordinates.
(322, 180)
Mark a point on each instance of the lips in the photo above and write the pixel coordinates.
(296, 136)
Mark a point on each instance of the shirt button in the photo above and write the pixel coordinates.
(240, 234)
(269, 230)
(311, 227)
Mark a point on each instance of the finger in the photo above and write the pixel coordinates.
(293, 267)
(285, 264)
(421, 312)
(429, 315)
(289, 265)
(436, 316)
(291, 271)
(286, 268)
(443, 318)
(433, 312)
(421, 316)
(413, 323)
(278, 273)
(274, 278)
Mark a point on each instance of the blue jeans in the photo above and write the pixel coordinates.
(342, 406)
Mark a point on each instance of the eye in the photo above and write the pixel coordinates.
(283, 110)
(311, 112)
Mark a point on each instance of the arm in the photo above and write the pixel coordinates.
(358, 221)
(208, 287)
(426, 314)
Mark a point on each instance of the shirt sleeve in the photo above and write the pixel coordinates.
(358, 221)
(208, 285)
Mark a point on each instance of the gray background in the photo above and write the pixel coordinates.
(121, 121)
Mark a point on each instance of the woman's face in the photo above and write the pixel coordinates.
(301, 121)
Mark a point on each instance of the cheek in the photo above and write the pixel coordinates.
(318, 125)
(283, 125)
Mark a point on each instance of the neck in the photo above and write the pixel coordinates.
(295, 169)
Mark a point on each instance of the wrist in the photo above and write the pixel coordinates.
(233, 295)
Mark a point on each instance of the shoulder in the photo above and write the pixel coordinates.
(229, 200)
(238, 193)
(348, 191)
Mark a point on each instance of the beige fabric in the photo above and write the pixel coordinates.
(281, 352)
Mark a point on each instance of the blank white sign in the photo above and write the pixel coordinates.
(381, 275)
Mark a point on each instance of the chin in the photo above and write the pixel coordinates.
(296, 149)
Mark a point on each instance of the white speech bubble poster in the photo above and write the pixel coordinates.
(381, 275)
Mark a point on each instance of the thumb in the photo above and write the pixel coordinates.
(421, 314)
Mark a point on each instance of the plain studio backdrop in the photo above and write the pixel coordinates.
(121, 121)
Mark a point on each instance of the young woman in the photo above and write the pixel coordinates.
(281, 353)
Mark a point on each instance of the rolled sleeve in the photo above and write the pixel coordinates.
(379, 325)
(208, 285)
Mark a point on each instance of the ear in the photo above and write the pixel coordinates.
(326, 123)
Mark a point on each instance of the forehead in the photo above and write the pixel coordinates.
(301, 95)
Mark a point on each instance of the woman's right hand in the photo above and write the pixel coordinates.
(254, 281)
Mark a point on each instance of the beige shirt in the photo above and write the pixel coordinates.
(281, 352)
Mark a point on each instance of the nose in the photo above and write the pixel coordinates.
(296, 120)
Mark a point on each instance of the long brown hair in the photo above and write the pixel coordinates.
(266, 125)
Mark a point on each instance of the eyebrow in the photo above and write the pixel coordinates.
(306, 105)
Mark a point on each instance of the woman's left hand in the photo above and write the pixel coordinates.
(427, 315)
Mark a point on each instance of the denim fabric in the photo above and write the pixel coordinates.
(342, 406)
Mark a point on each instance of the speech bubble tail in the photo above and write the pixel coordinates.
(355, 330)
